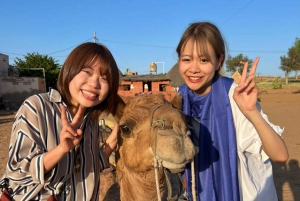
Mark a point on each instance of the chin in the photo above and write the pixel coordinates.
(193, 87)
(88, 105)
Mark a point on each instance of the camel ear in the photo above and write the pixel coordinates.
(119, 109)
(177, 101)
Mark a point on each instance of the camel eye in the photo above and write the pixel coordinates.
(125, 129)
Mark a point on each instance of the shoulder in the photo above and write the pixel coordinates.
(35, 102)
(39, 104)
(37, 98)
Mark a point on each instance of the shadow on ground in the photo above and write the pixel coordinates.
(288, 173)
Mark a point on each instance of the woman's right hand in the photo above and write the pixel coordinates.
(70, 134)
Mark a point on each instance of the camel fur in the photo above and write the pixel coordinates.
(151, 127)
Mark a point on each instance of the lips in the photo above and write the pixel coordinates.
(89, 95)
(194, 79)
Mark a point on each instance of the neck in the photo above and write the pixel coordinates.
(74, 109)
(139, 186)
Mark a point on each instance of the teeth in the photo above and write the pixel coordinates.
(89, 94)
(194, 78)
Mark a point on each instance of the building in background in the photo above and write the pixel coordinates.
(14, 89)
(4, 65)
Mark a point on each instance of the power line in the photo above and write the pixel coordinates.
(10, 53)
(49, 53)
(241, 51)
(146, 45)
(136, 44)
(260, 51)
(237, 12)
(69, 47)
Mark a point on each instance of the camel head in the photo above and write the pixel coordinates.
(151, 127)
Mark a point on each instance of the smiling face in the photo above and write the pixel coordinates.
(196, 69)
(89, 76)
(89, 87)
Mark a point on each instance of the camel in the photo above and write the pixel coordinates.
(153, 146)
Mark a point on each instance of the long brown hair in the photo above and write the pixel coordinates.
(82, 56)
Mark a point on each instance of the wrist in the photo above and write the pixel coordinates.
(253, 116)
(60, 150)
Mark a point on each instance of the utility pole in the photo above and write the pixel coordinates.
(95, 38)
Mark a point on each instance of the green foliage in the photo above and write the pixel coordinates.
(285, 64)
(277, 84)
(236, 63)
(291, 62)
(297, 45)
(36, 60)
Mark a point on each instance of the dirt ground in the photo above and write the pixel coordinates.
(282, 107)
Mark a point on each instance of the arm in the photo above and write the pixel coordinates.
(111, 141)
(52, 157)
(272, 143)
(27, 148)
(245, 96)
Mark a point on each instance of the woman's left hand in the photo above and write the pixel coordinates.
(245, 95)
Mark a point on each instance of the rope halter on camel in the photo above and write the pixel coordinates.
(158, 163)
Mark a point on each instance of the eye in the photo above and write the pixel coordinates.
(185, 59)
(125, 129)
(87, 71)
(203, 60)
(103, 77)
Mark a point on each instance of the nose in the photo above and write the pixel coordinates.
(195, 67)
(94, 81)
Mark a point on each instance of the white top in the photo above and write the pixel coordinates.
(254, 166)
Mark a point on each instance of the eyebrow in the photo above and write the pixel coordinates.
(199, 55)
(185, 55)
(88, 66)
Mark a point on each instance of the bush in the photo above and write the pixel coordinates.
(277, 84)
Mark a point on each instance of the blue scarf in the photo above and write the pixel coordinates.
(216, 163)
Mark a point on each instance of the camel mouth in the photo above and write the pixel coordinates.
(176, 170)
(174, 167)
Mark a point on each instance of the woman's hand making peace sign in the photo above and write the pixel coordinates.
(245, 95)
(70, 135)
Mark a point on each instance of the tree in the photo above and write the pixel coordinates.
(285, 66)
(294, 58)
(297, 57)
(237, 63)
(291, 62)
(36, 60)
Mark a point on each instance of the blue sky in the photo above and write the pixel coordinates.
(140, 32)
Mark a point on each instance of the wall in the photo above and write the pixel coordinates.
(137, 87)
(169, 92)
(15, 90)
(168, 88)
